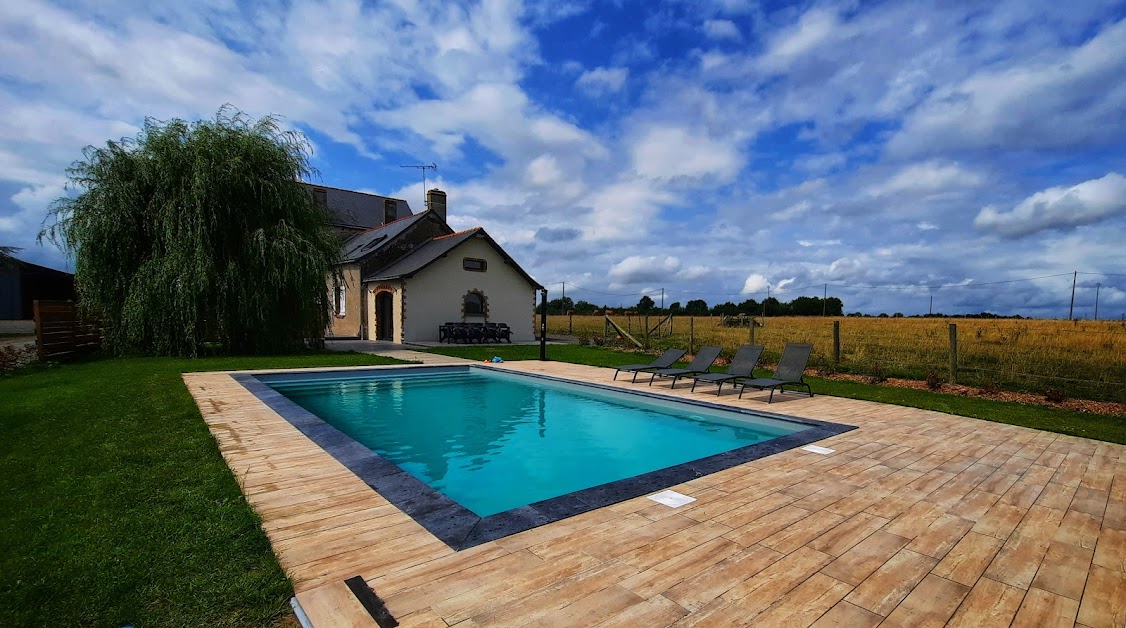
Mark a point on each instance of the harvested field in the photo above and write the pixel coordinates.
(1064, 359)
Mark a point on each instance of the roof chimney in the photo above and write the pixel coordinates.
(436, 201)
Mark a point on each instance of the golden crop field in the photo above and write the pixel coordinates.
(1082, 359)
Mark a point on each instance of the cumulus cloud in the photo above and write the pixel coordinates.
(640, 269)
(754, 284)
(601, 81)
(1058, 208)
(673, 152)
(722, 29)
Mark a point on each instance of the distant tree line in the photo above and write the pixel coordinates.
(801, 306)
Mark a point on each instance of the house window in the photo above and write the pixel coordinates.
(338, 299)
(474, 264)
(474, 304)
(320, 196)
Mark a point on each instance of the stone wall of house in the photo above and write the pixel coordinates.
(350, 323)
(436, 294)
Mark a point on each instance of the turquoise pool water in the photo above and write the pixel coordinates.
(495, 441)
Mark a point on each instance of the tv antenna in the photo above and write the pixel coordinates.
(424, 168)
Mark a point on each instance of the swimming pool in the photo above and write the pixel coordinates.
(475, 453)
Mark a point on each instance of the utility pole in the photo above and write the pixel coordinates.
(1071, 310)
(662, 298)
(1097, 286)
(825, 301)
(930, 309)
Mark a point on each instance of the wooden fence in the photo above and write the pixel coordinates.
(61, 332)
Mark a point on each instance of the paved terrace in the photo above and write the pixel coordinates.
(918, 518)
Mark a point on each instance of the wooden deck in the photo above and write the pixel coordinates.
(918, 518)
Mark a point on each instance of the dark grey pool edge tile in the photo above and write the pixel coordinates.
(460, 528)
(441, 516)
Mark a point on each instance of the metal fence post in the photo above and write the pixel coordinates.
(953, 353)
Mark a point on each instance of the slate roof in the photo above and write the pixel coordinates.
(435, 249)
(358, 210)
(373, 239)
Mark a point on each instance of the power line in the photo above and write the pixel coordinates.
(840, 286)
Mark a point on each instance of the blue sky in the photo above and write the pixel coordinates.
(894, 151)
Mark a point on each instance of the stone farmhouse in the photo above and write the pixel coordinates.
(406, 274)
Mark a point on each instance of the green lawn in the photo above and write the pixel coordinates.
(1097, 426)
(116, 508)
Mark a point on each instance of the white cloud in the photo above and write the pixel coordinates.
(1079, 88)
(673, 152)
(815, 28)
(932, 176)
(722, 29)
(754, 284)
(1059, 208)
(600, 81)
(926, 226)
(638, 269)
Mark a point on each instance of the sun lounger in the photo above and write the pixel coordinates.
(667, 359)
(791, 368)
(742, 368)
(705, 357)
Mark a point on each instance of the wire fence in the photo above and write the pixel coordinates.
(1078, 359)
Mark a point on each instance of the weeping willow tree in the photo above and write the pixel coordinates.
(198, 233)
(6, 257)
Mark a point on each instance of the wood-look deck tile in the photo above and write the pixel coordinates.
(989, 603)
(931, 603)
(847, 534)
(1110, 551)
(882, 591)
(671, 546)
(589, 610)
(1064, 570)
(337, 604)
(855, 565)
(915, 516)
(669, 572)
(806, 603)
(701, 589)
(846, 615)
(495, 593)
(1042, 609)
(801, 532)
(558, 595)
(1104, 598)
(767, 525)
(422, 595)
(655, 611)
(941, 536)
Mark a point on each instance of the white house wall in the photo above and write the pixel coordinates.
(435, 295)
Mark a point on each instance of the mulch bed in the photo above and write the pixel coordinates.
(1074, 405)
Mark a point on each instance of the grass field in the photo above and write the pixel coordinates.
(1082, 359)
(116, 508)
